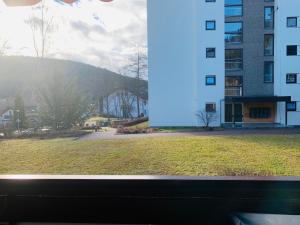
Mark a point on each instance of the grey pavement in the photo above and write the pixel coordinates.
(111, 135)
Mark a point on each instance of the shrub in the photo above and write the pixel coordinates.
(134, 130)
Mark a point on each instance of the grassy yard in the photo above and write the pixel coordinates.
(251, 155)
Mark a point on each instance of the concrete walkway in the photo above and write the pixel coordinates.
(111, 135)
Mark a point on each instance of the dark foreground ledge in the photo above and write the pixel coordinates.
(144, 199)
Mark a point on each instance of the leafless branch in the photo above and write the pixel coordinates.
(206, 118)
(3, 47)
(41, 25)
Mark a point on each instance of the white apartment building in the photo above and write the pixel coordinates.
(215, 56)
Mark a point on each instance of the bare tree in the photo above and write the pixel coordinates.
(138, 67)
(126, 100)
(120, 104)
(3, 47)
(41, 25)
(206, 118)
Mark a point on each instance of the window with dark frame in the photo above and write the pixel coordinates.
(269, 72)
(269, 17)
(233, 8)
(210, 52)
(291, 78)
(291, 50)
(269, 44)
(292, 22)
(233, 81)
(291, 106)
(210, 80)
(210, 25)
(210, 107)
(233, 32)
(260, 113)
(234, 59)
(233, 85)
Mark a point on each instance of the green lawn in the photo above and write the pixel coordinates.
(264, 155)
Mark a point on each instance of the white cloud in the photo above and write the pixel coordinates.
(90, 31)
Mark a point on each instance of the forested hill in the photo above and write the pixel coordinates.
(22, 74)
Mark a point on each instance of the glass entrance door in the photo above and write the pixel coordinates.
(238, 113)
(228, 113)
(234, 113)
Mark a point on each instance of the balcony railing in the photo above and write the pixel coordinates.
(233, 91)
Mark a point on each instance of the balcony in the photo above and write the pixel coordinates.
(233, 91)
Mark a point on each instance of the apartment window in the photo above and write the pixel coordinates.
(292, 22)
(291, 106)
(233, 81)
(291, 50)
(233, 32)
(269, 45)
(210, 25)
(234, 59)
(291, 78)
(210, 107)
(210, 52)
(233, 86)
(210, 80)
(269, 17)
(260, 113)
(233, 8)
(269, 72)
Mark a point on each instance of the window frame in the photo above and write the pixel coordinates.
(295, 80)
(238, 33)
(210, 21)
(258, 112)
(288, 50)
(291, 110)
(235, 60)
(273, 17)
(211, 57)
(266, 62)
(238, 77)
(273, 44)
(287, 21)
(228, 5)
(214, 108)
(209, 77)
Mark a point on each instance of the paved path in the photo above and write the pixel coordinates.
(111, 135)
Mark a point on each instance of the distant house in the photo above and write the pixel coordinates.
(32, 116)
(6, 117)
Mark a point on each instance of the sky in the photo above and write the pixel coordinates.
(105, 35)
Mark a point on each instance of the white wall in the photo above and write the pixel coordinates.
(286, 64)
(177, 42)
(211, 66)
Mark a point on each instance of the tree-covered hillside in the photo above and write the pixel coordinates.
(23, 75)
